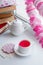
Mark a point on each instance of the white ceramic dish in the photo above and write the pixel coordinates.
(20, 54)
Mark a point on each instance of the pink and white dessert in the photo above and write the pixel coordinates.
(4, 3)
(8, 48)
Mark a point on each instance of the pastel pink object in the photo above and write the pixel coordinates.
(28, 1)
(35, 2)
(41, 41)
(31, 10)
(32, 13)
(8, 48)
(37, 28)
(39, 6)
(4, 3)
(30, 6)
(34, 21)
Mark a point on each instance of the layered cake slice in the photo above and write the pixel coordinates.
(3, 23)
(7, 9)
(6, 14)
(4, 20)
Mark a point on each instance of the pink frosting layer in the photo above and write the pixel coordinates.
(4, 3)
(28, 1)
(38, 6)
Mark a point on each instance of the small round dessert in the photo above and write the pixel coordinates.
(8, 48)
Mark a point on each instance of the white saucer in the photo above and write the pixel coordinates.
(20, 54)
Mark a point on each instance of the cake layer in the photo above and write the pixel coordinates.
(4, 20)
(7, 9)
(5, 15)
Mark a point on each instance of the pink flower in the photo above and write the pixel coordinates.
(34, 21)
(28, 1)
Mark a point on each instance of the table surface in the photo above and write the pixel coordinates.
(36, 57)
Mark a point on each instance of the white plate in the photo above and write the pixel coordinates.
(20, 54)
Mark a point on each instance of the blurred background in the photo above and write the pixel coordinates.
(21, 8)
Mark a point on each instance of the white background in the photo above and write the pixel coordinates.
(36, 57)
(21, 8)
